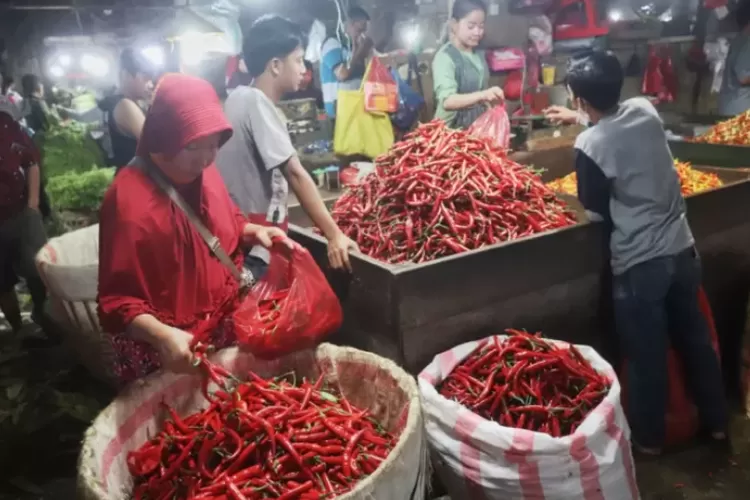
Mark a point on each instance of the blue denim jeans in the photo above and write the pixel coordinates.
(656, 305)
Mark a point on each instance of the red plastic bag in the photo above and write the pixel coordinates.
(682, 415)
(653, 80)
(292, 308)
(669, 93)
(494, 125)
(381, 90)
(513, 85)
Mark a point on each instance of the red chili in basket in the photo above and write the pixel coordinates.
(260, 438)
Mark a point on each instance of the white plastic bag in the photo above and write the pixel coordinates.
(478, 458)
(540, 35)
(315, 40)
(716, 53)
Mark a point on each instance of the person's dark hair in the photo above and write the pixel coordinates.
(357, 13)
(743, 14)
(596, 76)
(269, 37)
(135, 63)
(462, 8)
(30, 84)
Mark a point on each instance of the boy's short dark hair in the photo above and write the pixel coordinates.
(269, 37)
(743, 14)
(596, 76)
(135, 63)
(357, 13)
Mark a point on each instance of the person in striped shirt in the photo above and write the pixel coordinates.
(343, 58)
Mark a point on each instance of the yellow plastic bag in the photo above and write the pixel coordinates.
(359, 132)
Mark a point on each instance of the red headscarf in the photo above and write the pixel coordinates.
(151, 259)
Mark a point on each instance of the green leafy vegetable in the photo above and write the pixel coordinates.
(68, 148)
(80, 191)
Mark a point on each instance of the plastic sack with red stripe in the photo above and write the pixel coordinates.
(493, 125)
(479, 458)
(381, 90)
(292, 308)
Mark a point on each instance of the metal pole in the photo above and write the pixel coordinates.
(88, 7)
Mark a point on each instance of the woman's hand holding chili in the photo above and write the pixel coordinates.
(174, 348)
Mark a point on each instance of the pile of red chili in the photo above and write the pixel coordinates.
(264, 439)
(527, 383)
(440, 192)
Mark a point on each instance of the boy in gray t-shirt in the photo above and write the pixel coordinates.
(259, 163)
(626, 178)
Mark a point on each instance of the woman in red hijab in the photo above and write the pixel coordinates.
(159, 283)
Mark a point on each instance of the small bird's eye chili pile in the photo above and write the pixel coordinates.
(264, 439)
(694, 181)
(527, 383)
(440, 192)
(732, 132)
(691, 180)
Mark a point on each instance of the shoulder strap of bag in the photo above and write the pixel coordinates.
(211, 241)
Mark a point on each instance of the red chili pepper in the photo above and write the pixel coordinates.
(211, 453)
(443, 193)
(547, 388)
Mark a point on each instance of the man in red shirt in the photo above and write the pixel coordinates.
(22, 231)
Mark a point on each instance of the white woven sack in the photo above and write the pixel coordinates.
(69, 267)
(480, 459)
(366, 379)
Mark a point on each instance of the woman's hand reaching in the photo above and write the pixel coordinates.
(267, 236)
(493, 95)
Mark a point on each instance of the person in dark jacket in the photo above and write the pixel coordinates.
(22, 232)
(123, 113)
(35, 109)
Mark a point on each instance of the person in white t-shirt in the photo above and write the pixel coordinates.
(259, 163)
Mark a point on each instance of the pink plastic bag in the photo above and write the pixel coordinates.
(493, 125)
(381, 91)
(292, 308)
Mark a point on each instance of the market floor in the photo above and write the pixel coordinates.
(46, 402)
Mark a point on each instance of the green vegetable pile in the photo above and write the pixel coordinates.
(69, 148)
(76, 180)
(80, 191)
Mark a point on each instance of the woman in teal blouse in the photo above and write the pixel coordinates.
(460, 72)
